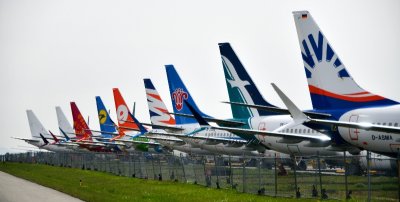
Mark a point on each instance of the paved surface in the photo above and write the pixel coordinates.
(17, 189)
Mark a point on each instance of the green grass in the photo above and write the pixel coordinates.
(99, 186)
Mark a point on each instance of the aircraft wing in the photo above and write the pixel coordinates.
(165, 139)
(244, 131)
(172, 128)
(26, 139)
(363, 126)
(218, 121)
(279, 110)
(300, 117)
(192, 136)
(138, 142)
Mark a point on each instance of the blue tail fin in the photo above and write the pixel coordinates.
(241, 87)
(106, 124)
(179, 93)
(329, 83)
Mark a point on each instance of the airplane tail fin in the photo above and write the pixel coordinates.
(241, 87)
(35, 125)
(329, 83)
(63, 123)
(157, 109)
(124, 116)
(106, 124)
(179, 94)
(81, 128)
(54, 137)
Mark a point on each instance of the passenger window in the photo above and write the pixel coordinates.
(383, 124)
(396, 124)
(291, 130)
(295, 130)
(378, 123)
(390, 124)
(308, 130)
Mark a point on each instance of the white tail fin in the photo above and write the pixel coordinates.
(63, 123)
(157, 109)
(330, 84)
(36, 126)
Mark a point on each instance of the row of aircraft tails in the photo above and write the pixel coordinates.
(344, 118)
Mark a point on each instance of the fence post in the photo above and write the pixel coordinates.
(319, 174)
(216, 171)
(398, 169)
(159, 164)
(295, 174)
(244, 175)
(259, 176)
(345, 174)
(230, 171)
(369, 175)
(183, 167)
(152, 163)
(276, 175)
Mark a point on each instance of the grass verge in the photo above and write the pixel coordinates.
(99, 186)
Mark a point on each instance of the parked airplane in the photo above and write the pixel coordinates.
(130, 126)
(242, 89)
(364, 119)
(40, 135)
(162, 122)
(248, 145)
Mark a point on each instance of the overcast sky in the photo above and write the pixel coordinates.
(53, 52)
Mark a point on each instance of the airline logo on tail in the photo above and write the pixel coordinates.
(240, 85)
(158, 110)
(330, 85)
(123, 114)
(81, 128)
(102, 116)
(179, 95)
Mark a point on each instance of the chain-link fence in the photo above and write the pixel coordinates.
(355, 177)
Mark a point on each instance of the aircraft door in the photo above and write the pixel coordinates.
(353, 132)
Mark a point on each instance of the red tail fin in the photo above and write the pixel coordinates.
(123, 114)
(81, 128)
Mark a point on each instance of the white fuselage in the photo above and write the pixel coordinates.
(270, 123)
(204, 146)
(380, 142)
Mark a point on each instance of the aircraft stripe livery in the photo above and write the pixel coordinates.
(157, 109)
(337, 89)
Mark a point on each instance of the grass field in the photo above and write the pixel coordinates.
(99, 186)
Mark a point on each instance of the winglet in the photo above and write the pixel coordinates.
(44, 139)
(54, 137)
(65, 135)
(297, 115)
(196, 115)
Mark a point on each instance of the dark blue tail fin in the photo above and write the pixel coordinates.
(241, 87)
(179, 94)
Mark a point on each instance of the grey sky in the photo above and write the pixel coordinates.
(53, 52)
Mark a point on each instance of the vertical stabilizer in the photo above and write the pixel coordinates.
(157, 109)
(124, 116)
(106, 124)
(179, 93)
(329, 83)
(63, 124)
(241, 87)
(36, 126)
(82, 130)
